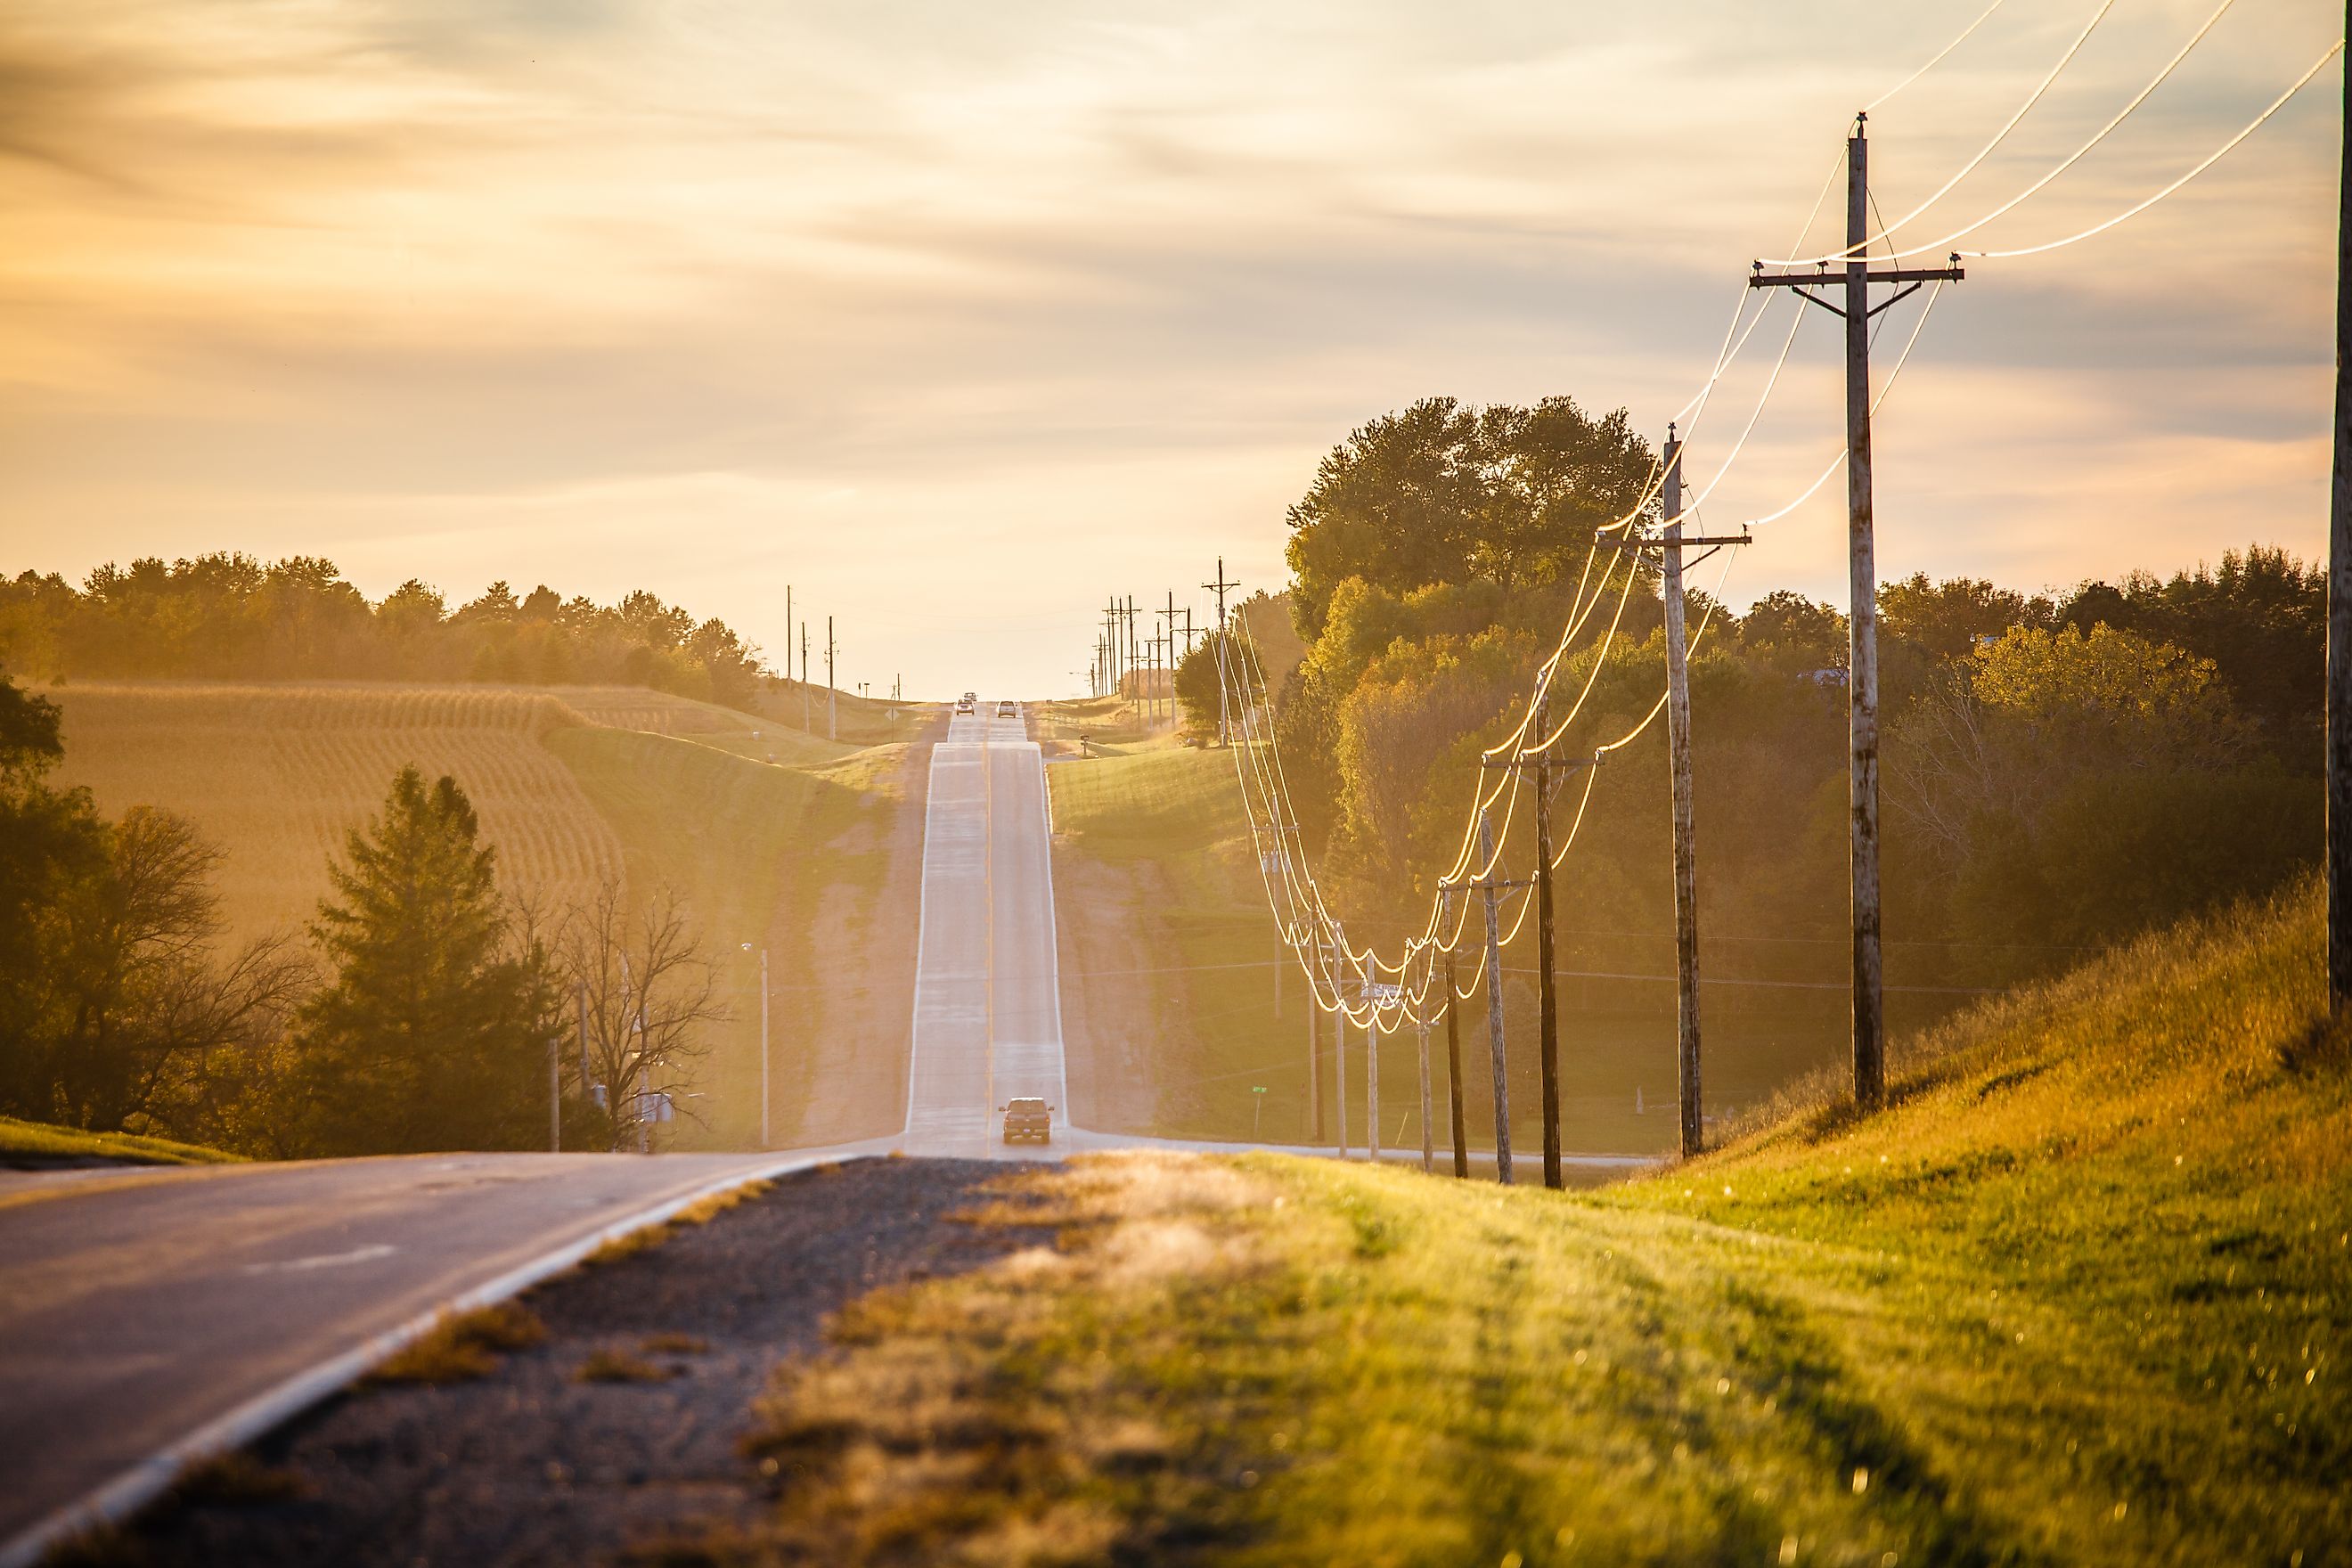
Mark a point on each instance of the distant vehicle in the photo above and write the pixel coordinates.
(1028, 1118)
(964, 706)
(969, 697)
(1008, 711)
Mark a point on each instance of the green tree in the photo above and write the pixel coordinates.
(433, 1035)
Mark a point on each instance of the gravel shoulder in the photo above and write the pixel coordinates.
(533, 1464)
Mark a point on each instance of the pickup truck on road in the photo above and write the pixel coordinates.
(1026, 1119)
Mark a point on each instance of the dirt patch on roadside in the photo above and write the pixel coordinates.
(556, 1458)
(862, 956)
(1115, 1032)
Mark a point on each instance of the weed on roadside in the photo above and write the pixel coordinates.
(457, 1349)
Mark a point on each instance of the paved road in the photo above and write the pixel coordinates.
(988, 1010)
(135, 1308)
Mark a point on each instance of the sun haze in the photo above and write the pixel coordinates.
(959, 318)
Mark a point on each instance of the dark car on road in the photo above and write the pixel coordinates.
(1028, 1118)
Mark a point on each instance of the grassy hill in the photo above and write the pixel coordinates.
(1180, 999)
(771, 836)
(1169, 956)
(2082, 1294)
(38, 1144)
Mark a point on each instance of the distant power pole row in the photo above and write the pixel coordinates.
(832, 693)
(1138, 650)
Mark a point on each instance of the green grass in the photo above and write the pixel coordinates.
(40, 1140)
(2081, 1294)
(750, 849)
(1167, 827)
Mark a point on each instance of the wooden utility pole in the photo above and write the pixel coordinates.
(1339, 1032)
(2340, 601)
(1490, 884)
(1548, 1003)
(1372, 1074)
(1224, 720)
(807, 724)
(831, 692)
(1679, 761)
(1862, 675)
(1171, 655)
(1428, 1131)
(1453, 1050)
(1314, 1044)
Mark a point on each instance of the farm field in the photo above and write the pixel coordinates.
(574, 786)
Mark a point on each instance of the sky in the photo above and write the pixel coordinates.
(960, 318)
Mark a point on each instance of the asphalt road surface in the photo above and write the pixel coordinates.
(988, 1011)
(137, 1307)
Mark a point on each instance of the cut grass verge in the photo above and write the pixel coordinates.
(38, 1142)
(702, 1211)
(457, 1349)
(2082, 1295)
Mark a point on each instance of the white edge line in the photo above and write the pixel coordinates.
(123, 1496)
(1053, 942)
(922, 931)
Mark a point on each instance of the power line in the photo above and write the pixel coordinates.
(2224, 151)
(1966, 34)
(1972, 164)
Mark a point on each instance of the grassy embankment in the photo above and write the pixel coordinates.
(770, 835)
(2080, 1295)
(1169, 953)
(39, 1143)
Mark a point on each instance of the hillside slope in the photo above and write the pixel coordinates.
(770, 836)
(2081, 1295)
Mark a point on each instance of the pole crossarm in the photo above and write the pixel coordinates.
(1688, 541)
(1803, 281)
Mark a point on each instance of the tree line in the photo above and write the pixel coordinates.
(229, 616)
(425, 1010)
(2062, 769)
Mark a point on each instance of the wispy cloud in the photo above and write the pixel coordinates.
(947, 313)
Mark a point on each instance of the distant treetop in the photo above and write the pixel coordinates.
(229, 616)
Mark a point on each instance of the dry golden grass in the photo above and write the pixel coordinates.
(967, 1427)
(457, 1349)
(276, 775)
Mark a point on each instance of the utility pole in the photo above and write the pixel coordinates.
(1314, 1044)
(1224, 719)
(1372, 1074)
(1340, 1035)
(1454, 1051)
(765, 1141)
(807, 727)
(2339, 603)
(1862, 675)
(831, 692)
(1428, 1133)
(1678, 754)
(1548, 1010)
(1172, 658)
(1490, 884)
(554, 1095)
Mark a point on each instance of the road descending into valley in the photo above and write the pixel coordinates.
(988, 1008)
(148, 1316)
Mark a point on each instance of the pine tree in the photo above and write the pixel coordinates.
(434, 1033)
